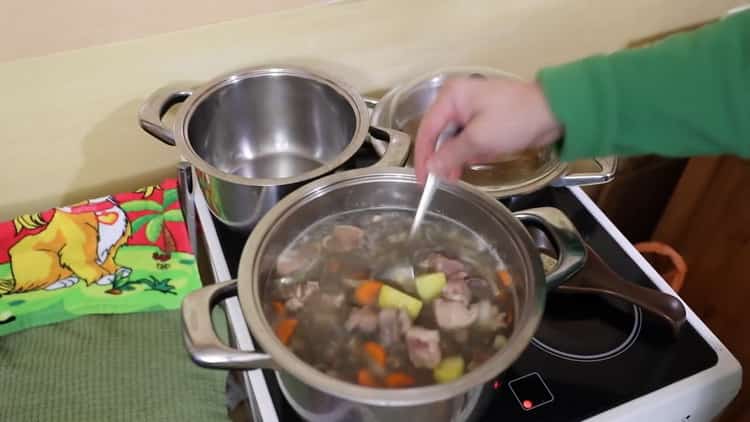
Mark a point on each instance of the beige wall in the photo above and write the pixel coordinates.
(68, 126)
(37, 27)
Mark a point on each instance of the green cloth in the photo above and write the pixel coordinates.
(127, 367)
(686, 95)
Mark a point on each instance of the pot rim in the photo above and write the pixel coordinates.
(553, 168)
(286, 360)
(198, 95)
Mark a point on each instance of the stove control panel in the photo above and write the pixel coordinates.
(530, 391)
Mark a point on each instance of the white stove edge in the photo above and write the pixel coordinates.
(253, 381)
(698, 398)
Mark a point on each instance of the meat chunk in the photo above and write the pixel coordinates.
(298, 293)
(362, 319)
(344, 238)
(489, 317)
(459, 276)
(393, 324)
(423, 346)
(452, 315)
(457, 291)
(444, 264)
(328, 300)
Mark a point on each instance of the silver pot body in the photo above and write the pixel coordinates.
(315, 405)
(320, 397)
(256, 134)
(402, 108)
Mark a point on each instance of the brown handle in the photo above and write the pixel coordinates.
(596, 277)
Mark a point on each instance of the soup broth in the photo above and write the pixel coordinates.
(497, 171)
(326, 305)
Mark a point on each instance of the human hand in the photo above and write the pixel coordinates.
(498, 116)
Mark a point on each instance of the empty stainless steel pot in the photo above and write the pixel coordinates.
(402, 109)
(256, 134)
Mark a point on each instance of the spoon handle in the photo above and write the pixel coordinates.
(431, 184)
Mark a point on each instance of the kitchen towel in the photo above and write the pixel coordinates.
(109, 368)
(126, 252)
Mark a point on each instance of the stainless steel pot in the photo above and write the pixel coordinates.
(321, 397)
(402, 108)
(256, 134)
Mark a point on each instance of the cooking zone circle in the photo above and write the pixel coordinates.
(608, 327)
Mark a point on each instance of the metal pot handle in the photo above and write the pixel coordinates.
(156, 106)
(203, 345)
(370, 102)
(398, 146)
(606, 174)
(571, 251)
(378, 145)
(187, 201)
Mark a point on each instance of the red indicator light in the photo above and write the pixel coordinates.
(527, 404)
(497, 385)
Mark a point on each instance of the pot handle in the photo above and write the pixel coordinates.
(370, 102)
(597, 277)
(567, 242)
(187, 201)
(156, 106)
(379, 146)
(608, 167)
(398, 146)
(203, 345)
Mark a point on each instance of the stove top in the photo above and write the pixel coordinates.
(590, 354)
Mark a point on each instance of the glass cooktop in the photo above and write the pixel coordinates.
(590, 353)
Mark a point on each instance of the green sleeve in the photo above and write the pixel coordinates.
(684, 96)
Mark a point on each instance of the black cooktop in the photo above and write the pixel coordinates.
(590, 354)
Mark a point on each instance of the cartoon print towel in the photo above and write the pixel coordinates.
(123, 253)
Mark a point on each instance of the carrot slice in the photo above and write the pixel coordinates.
(367, 292)
(399, 380)
(278, 308)
(375, 352)
(365, 377)
(285, 329)
(505, 277)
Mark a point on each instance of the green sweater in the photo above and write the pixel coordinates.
(684, 96)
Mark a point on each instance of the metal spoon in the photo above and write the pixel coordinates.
(402, 269)
(431, 184)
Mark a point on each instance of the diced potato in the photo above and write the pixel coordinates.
(449, 369)
(430, 285)
(500, 341)
(393, 298)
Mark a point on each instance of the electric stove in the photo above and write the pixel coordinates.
(592, 358)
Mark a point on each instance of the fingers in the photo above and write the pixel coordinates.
(448, 161)
(443, 111)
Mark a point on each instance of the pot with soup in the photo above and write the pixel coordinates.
(347, 346)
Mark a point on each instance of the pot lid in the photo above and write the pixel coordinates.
(402, 108)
